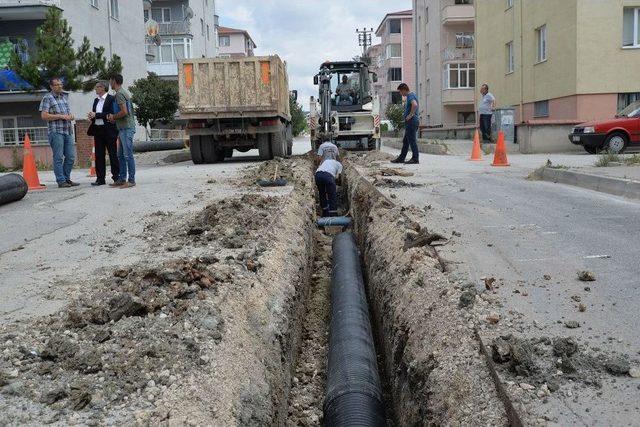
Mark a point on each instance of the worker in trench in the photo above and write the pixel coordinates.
(326, 175)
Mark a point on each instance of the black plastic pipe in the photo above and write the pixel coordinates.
(354, 394)
(144, 146)
(13, 187)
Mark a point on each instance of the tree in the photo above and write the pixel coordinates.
(154, 100)
(55, 57)
(298, 118)
(395, 114)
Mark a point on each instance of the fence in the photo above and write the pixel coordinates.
(15, 136)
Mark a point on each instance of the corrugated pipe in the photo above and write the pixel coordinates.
(144, 146)
(13, 187)
(354, 394)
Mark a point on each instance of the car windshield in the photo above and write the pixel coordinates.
(633, 110)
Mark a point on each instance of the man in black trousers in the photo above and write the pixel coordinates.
(104, 133)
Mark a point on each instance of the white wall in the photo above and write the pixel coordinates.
(238, 45)
(201, 45)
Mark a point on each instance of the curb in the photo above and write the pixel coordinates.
(436, 149)
(604, 184)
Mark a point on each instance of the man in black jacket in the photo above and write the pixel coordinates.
(104, 133)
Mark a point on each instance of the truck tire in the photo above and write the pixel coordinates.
(264, 147)
(374, 144)
(289, 140)
(228, 153)
(209, 152)
(279, 143)
(196, 150)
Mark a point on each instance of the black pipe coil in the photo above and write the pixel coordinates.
(354, 394)
(13, 187)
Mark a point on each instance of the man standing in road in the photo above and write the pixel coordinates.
(485, 111)
(126, 130)
(54, 109)
(411, 122)
(105, 134)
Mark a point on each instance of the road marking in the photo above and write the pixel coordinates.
(562, 258)
(512, 226)
(597, 257)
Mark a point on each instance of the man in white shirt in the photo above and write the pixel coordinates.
(485, 111)
(326, 176)
(105, 134)
(344, 91)
(328, 150)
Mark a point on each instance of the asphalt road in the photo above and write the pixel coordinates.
(519, 231)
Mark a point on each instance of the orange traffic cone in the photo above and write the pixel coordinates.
(476, 153)
(500, 157)
(29, 169)
(92, 171)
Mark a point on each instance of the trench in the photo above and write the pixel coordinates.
(309, 376)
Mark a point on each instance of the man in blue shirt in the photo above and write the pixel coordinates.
(411, 122)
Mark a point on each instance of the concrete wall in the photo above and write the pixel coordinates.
(547, 138)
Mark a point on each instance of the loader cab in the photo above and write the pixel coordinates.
(350, 84)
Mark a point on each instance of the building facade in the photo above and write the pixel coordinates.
(570, 61)
(114, 24)
(446, 75)
(396, 62)
(234, 43)
(187, 28)
(374, 54)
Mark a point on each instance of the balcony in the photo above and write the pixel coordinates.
(458, 14)
(458, 54)
(458, 96)
(174, 28)
(26, 10)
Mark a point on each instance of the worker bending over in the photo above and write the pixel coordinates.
(326, 176)
(328, 150)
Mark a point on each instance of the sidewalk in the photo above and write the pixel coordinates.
(617, 180)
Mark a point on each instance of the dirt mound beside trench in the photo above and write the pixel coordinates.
(206, 340)
(435, 372)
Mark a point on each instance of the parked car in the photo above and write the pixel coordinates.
(613, 135)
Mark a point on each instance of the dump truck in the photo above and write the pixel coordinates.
(235, 104)
(345, 112)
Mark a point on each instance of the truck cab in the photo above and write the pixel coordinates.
(345, 112)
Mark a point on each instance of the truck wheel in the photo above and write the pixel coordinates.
(228, 153)
(374, 144)
(279, 143)
(209, 152)
(196, 150)
(264, 147)
(289, 140)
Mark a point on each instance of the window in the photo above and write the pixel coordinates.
(161, 14)
(626, 99)
(394, 51)
(146, 15)
(202, 26)
(541, 109)
(396, 98)
(509, 4)
(464, 1)
(631, 27)
(428, 50)
(460, 76)
(426, 17)
(464, 40)
(208, 38)
(171, 50)
(465, 118)
(541, 38)
(394, 75)
(509, 55)
(395, 26)
(224, 41)
(94, 3)
(115, 13)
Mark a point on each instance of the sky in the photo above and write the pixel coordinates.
(305, 33)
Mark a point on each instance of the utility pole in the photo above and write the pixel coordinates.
(364, 39)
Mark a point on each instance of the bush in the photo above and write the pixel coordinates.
(395, 114)
(384, 127)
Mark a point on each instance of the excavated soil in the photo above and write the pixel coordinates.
(435, 372)
(207, 339)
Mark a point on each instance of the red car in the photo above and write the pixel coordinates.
(612, 135)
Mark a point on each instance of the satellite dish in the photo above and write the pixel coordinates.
(152, 28)
(157, 40)
(188, 13)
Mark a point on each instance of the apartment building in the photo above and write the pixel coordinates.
(560, 61)
(446, 74)
(397, 58)
(234, 42)
(114, 24)
(374, 53)
(188, 29)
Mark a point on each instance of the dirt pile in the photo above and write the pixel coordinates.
(436, 374)
(278, 168)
